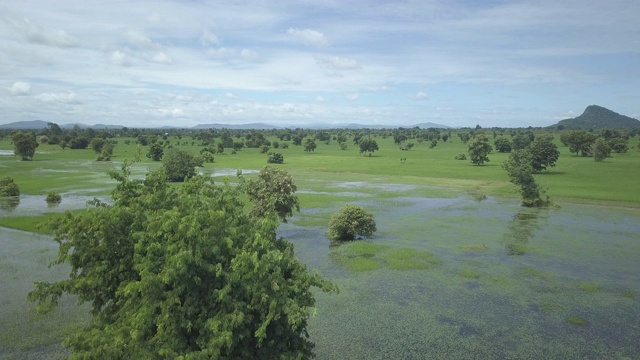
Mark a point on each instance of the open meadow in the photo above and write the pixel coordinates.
(457, 268)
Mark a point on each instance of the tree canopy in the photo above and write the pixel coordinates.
(350, 222)
(367, 146)
(181, 272)
(479, 148)
(273, 192)
(25, 144)
(179, 164)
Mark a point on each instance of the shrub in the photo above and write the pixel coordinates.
(350, 222)
(8, 187)
(53, 198)
(461, 157)
(275, 158)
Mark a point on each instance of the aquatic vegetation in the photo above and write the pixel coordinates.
(409, 259)
(475, 248)
(364, 256)
(589, 287)
(53, 198)
(577, 320)
(469, 273)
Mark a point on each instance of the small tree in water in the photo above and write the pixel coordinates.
(350, 222)
(520, 172)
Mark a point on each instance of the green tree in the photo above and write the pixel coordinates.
(619, 145)
(179, 164)
(156, 151)
(96, 144)
(543, 153)
(275, 158)
(518, 167)
(8, 187)
(367, 146)
(273, 192)
(578, 141)
(309, 145)
(350, 222)
(522, 141)
(600, 150)
(503, 144)
(479, 148)
(24, 144)
(181, 272)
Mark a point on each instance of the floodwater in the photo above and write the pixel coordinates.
(32, 205)
(509, 282)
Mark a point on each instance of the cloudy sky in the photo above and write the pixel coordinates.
(187, 62)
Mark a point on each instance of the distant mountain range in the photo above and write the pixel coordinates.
(597, 117)
(40, 124)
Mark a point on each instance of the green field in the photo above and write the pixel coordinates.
(438, 280)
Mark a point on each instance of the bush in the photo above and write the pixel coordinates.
(179, 164)
(351, 222)
(275, 158)
(8, 187)
(461, 157)
(53, 198)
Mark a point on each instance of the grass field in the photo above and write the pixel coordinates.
(575, 179)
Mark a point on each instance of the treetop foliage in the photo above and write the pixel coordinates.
(181, 272)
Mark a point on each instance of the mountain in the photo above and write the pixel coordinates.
(34, 124)
(597, 117)
(432, 125)
(255, 126)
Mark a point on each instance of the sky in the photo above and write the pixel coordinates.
(294, 63)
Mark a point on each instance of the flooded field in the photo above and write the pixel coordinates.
(485, 279)
(442, 278)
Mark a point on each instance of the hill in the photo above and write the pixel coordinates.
(597, 117)
(34, 124)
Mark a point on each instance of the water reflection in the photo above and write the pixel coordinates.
(9, 203)
(521, 229)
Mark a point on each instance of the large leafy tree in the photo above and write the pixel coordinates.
(543, 153)
(24, 144)
(179, 164)
(181, 272)
(368, 146)
(479, 148)
(579, 142)
(273, 192)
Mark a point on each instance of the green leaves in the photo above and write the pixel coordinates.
(350, 222)
(183, 272)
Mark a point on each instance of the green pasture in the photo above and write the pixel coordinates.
(574, 179)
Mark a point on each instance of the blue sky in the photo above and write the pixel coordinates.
(291, 63)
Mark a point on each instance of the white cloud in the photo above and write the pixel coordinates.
(230, 96)
(336, 63)
(20, 88)
(177, 112)
(208, 38)
(222, 52)
(419, 96)
(320, 99)
(65, 98)
(249, 54)
(119, 58)
(162, 58)
(352, 97)
(35, 34)
(140, 40)
(309, 36)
